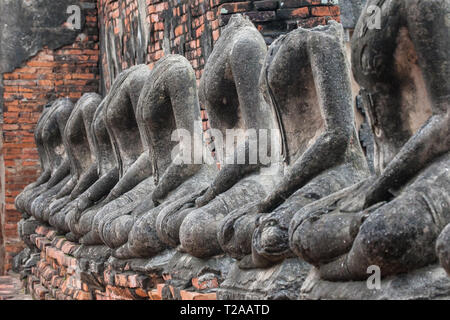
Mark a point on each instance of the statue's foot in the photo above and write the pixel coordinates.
(319, 240)
(398, 237)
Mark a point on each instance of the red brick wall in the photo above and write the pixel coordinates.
(66, 72)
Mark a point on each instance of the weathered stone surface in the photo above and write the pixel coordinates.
(430, 283)
(153, 265)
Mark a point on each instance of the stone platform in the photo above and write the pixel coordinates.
(430, 283)
(63, 270)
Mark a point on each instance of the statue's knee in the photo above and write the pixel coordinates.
(190, 232)
(304, 241)
(85, 221)
(398, 236)
(116, 231)
(168, 225)
(380, 244)
(143, 240)
(18, 202)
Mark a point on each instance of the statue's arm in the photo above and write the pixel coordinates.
(99, 189)
(61, 172)
(228, 176)
(67, 188)
(44, 177)
(85, 181)
(139, 171)
(332, 81)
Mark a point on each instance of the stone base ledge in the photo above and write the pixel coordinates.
(63, 270)
(430, 283)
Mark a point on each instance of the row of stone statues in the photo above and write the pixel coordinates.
(110, 176)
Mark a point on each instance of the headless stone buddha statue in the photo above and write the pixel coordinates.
(53, 171)
(169, 114)
(82, 160)
(229, 90)
(307, 79)
(133, 162)
(107, 170)
(40, 184)
(391, 220)
(60, 181)
(28, 224)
